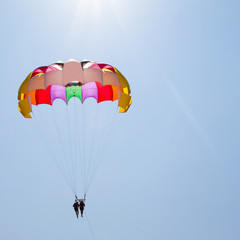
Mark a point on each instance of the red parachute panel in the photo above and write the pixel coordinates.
(43, 96)
(105, 93)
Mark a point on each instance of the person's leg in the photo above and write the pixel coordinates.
(76, 211)
(81, 211)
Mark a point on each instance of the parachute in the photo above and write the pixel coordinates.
(72, 107)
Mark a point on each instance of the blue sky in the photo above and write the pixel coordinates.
(175, 171)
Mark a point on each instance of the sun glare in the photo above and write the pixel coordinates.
(93, 13)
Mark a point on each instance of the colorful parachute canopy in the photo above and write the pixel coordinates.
(73, 79)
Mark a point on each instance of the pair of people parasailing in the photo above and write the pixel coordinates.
(79, 204)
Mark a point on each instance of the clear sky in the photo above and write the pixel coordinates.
(174, 174)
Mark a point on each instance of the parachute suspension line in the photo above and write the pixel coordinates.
(103, 152)
(78, 152)
(61, 156)
(69, 133)
(80, 158)
(60, 147)
(74, 162)
(90, 226)
(81, 137)
(104, 129)
(63, 150)
(50, 148)
(101, 143)
(108, 138)
(114, 125)
(107, 130)
(93, 139)
(84, 152)
(53, 144)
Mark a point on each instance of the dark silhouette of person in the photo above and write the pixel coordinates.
(76, 206)
(81, 206)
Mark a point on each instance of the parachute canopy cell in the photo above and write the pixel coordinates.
(73, 79)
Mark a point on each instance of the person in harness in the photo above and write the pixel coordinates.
(81, 206)
(79, 203)
(76, 205)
